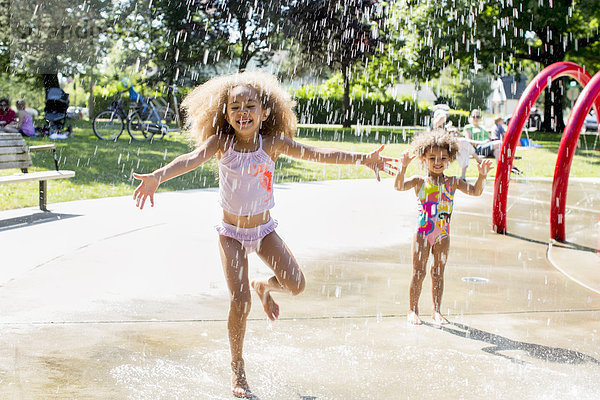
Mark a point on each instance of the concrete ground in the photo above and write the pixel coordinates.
(102, 301)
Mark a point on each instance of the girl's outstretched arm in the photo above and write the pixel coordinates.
(373, 160)
(475, 190)
(179, 166)
(400, 183)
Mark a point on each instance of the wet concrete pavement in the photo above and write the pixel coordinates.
(111, 302)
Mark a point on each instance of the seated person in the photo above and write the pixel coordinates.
(480, 138)
(498, 129)
(7, 115)
(24, 122)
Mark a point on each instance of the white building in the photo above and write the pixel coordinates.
(506, 92)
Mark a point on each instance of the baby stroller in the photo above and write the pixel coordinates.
(57, 102)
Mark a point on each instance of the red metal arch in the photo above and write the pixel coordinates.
(517, 122)
(566, 151)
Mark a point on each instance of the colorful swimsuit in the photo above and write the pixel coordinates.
(435, 209)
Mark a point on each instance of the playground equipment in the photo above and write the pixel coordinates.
(568, 143)
(588, 97)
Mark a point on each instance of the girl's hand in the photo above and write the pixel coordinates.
(406, 158)
(145, 189)
(377, 162)
(484, 167)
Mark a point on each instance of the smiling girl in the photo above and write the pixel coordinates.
(435, 194)
(246, 121)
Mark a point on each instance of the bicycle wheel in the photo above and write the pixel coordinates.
(139, 128)
(108, 125)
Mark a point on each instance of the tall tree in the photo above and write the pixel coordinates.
(55, 36)
(185, 39)
(175, 40)
(501, 36)
(254, 28)
(4, 38)
(340, 35)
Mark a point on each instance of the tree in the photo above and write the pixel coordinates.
(254, 28)
(172, 41)
(340, 35)
(502, 36)
(4, 38)
(463, 91)
(61, 36)
(190, 39)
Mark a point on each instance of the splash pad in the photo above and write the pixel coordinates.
(80, 323)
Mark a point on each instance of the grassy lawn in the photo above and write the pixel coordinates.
(104, 169)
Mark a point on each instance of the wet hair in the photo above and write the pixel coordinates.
(206, 105)
(435, 139)
(20, 104)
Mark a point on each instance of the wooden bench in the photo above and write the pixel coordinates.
(14, 153)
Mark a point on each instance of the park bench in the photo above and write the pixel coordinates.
(14, 153)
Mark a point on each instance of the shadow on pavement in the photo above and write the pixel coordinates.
(34, 219)
(501, 343)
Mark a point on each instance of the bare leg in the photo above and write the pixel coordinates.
(440, 256)
(288, 276)
(235, 266)
(497, 145)
(420, 254)
(11, 129)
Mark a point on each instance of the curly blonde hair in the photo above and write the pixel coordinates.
(205, 106)
(437, 138)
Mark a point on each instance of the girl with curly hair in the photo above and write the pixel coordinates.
(246, 120)
(435, 192)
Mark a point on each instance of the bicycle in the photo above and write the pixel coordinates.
(166, 108)
(145, 121)
(142, 121)
(165, 111)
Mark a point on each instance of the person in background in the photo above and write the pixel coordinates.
(498, 129)
(480, 138)
(7, 115)
(24, 122)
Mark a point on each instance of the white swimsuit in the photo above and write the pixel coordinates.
(246, 188)
(246, 181)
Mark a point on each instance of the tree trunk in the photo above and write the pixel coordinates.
(243, 62)
(50, 81)
(346, 121)
(553, 108)
(91, 96)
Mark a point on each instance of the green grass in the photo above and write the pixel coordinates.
(104, 169)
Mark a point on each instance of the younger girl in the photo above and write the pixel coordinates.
(246, 121)
(435, 193)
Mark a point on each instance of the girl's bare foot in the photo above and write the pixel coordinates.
(413, 318)
(439, 319)
(239, 385)
(271, 308)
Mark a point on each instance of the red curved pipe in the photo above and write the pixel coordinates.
(566, 151)
(513, 134)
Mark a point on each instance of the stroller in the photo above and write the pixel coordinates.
(57, 102)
